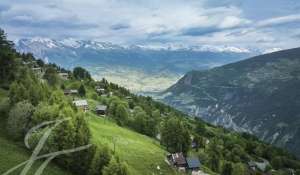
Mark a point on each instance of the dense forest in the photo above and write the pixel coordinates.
(33, 92)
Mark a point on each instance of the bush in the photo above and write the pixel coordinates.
(239, 169)
(45, 112)
(100, 159)
(116, 167)
(121, 115)
(19, 118)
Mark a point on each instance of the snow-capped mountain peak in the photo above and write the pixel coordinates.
(71, 42)
(47, 43)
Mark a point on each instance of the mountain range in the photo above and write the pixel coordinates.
(260, 95)
(139, 68)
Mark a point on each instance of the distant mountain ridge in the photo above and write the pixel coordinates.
(260, 95)
(162, 65)
(74, 43)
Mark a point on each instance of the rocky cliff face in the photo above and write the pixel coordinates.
(260, 95)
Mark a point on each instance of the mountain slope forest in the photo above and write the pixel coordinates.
(259, 95)
(134, 137)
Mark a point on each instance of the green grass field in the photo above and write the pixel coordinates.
(12, 154)
(142, 154)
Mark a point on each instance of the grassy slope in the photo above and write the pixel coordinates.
(141, 153)
(11, 154)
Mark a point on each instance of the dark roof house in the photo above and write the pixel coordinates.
(101, 109)
(193, 163)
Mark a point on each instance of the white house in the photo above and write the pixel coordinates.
(81, 104)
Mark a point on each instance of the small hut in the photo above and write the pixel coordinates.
(101, 109)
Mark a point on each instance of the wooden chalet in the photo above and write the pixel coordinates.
(177, 160)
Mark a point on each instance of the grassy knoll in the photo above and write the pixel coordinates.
(141, 153)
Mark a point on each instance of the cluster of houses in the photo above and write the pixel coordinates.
(82, 104)
(100, 110)
(183, 163)
(39, 71)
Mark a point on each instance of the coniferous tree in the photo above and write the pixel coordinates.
(4, 108)
(81, 74)
(51, 76)
(175, 136)
(8, 61)
(214, 163)
(227, 169)
(81, 90)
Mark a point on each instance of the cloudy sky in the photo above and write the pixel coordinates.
(242, 23)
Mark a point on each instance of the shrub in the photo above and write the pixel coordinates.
(116, 167)
(19, 118)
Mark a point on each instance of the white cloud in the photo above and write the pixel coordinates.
(279, 20)
(188, 22)
(276, 49)
(233, 21)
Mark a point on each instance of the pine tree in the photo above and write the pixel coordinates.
(227, 169)
(51, 76)
(8, 62)
(81, 74)
(214, 163)
(81, 90)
